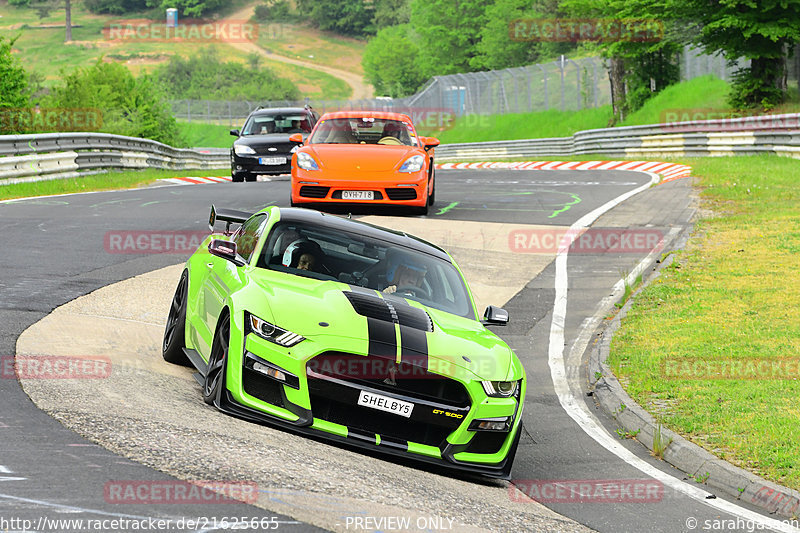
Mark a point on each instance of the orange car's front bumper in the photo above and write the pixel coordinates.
(388, 188)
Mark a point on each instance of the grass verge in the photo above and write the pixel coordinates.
(729, 301)
(203, 135)
(128, 179)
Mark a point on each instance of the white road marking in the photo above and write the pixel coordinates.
(574, 406)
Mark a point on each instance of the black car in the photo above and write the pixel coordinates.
(263, 145)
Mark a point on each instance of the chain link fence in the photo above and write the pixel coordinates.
(565, 84)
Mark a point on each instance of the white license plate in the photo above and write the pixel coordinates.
(271, 160)
(384, 403)
(358, 195)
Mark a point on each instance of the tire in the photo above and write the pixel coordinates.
(432, 197)
(217, 361)
(422, 211)
(237, 178)
(175, 331)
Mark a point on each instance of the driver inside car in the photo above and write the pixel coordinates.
(405, 273)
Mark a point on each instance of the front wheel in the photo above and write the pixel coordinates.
(217, 362)
(175, 332)
(432, 197)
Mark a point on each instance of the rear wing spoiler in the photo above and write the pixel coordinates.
(229, 216)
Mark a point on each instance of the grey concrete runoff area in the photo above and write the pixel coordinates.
(145, 419)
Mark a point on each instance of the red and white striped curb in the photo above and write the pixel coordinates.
(196, 180)
(667, 171)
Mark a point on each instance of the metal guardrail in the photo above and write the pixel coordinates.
(61, 155)
(779, 134)
(64, 155)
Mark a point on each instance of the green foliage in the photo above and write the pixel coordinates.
(205, 77)
(449, 32)
(391, 62)
(19, 3)
(129, 106)
(391, 13)
(274, 11)
(350, 17)
(115, 7)
(188, 8)
(496, 48)
(14, 90)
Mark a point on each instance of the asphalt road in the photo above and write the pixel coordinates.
(54, 252)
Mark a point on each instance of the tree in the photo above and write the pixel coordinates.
(14, 91)
(350, 17)
(498, 48)
(391, 13)
(449, 33)
(391, 62)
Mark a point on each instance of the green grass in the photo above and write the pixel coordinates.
(98, 182)
(198, 134)
(700, 98)
(730, 296)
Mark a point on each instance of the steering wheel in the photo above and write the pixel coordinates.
(419, 292)
(389, 140)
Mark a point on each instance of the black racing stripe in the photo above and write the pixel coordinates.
(408, 315)
(413, 347)
(382, 338)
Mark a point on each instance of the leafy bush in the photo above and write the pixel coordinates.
(205, 77)
(115, 7)
(14, 90)
(129, 106)
(391, 62)
(274, 11)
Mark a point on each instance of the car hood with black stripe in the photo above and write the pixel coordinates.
(439, 341)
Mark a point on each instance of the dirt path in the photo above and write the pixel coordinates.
(360, 88)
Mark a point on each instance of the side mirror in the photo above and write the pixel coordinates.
(226, 250)
(235, 133)
(429, 142)
(496, 316)
(296, 138)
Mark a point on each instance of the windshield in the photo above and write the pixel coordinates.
(263, 124)
(322, 253)
(364, 130)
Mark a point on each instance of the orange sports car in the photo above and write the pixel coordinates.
(364, 157)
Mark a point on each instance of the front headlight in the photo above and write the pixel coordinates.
(500, 389)
(413, 164)
(243, 149)
(273, 333)
(306, 162)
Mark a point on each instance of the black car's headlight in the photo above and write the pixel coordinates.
(243, 149)
(273, 333)
(500, 389)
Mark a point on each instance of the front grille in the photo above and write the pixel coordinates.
(313, 191)
(280, 148)
(374, 421)
(410, 380)
(401, 193)
(262, 387)
(486, 442)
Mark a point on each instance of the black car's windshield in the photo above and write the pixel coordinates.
(364, 130)
(265, 124)
(322, 253)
